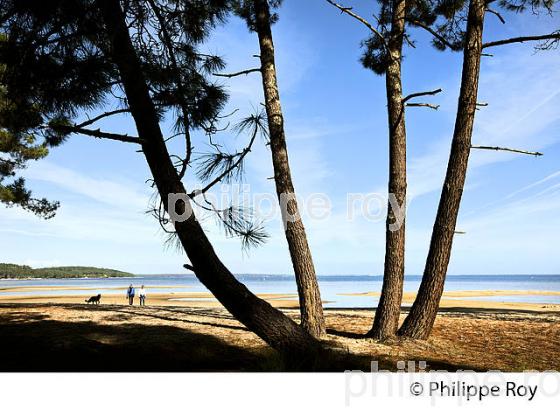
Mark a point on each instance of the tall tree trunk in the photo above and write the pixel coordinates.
(267, 322)
(386, 320)
(308, 289)
(420, 320)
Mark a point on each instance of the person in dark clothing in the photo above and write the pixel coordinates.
(130, 295)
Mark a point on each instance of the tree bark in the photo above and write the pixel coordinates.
(308, 289)
(386, 319)
(420, 320)
(270, 324)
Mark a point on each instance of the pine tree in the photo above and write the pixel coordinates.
(383, 54)
(469, 32)
(257, 14)
(71, 58)
(447, 21)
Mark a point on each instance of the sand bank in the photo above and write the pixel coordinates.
(158, 297)
(191, 299)
(461, 299)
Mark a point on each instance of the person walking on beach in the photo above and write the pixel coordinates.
(130, 295)
(142, 295)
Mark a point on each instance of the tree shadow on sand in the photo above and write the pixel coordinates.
(164, 314)
(51, 345)
(30, 341)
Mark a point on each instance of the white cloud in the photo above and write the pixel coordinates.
(125, 194)
(522, 108)
(534, 184)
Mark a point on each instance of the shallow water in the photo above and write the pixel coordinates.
(332, 287)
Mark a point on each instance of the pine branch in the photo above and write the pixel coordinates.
(101, 116)
(188, 267)
(98, 134)
(244, 72)
(240, 157)
(414, 95)
(168, 42)
(494, 12)
(409, 41)
(434, 33)
(432, 106)
(536, 154)
(236, 223)
(225, 173)
(551, 36)
(348, 10)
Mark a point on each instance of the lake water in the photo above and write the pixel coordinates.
(333, 288)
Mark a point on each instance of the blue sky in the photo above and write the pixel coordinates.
(337, 138)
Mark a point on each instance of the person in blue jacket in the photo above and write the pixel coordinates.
(130, 295)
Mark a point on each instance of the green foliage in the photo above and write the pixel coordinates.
(38, 89)
(446, 19)
(246, 10)
(12, 271)
(56, 60)
(18, 147)
(374, 56)
(519, 6)
(55, 65)
(58, 65)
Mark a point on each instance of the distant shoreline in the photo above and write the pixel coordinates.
(12, 271)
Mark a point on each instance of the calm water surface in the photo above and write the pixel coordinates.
(333, 288)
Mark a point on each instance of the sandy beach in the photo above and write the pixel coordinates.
(190, 331)
(77, 337)
(155, 297)
(158, 297)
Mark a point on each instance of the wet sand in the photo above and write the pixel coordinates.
(194, 299)
(454, 299)
(158, 297)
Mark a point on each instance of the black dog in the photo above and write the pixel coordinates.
(94, 299)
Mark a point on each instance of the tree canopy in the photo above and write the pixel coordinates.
(55, 70)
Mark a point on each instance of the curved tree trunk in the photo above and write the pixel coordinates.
(386, 320)
(308, 289)
(420, 320)
(259, 316)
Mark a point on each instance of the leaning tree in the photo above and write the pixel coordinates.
(65, 59)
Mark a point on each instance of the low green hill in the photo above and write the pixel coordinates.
(12, 271)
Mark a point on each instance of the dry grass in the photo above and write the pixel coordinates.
(466, 339)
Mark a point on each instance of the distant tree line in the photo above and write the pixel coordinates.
(13, 271)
